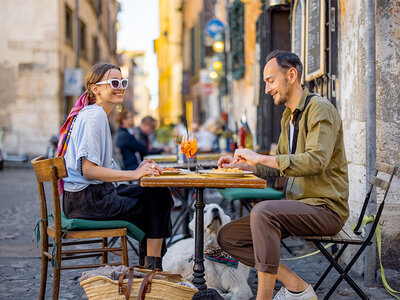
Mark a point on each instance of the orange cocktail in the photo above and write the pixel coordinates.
(188, 145)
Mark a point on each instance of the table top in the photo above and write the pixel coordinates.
(194, 180)
(172, 157)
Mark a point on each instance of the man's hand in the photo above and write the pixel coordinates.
(247, 156)
(229, 162)
(225, 161)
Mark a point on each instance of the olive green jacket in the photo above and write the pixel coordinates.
(317, 172)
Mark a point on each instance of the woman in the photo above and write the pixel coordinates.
(131, 149)
(86, 144)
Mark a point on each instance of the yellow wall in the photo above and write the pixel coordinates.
(169, 60)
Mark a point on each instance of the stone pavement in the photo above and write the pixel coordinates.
(20, 259)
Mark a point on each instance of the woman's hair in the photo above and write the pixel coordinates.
(96, 73)
(123, 115)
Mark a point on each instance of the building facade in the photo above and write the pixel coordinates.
(258, 27)
(40, 41)
(168, 48)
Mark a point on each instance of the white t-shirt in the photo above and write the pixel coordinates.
(90, 138)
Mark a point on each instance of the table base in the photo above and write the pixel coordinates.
(209, 294)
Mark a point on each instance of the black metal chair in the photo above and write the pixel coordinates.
(354, 236)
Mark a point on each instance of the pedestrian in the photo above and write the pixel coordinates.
(88, 191)
(131, 149)
(145, 132)
(311, 155)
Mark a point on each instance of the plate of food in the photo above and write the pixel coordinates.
(225, 172)
(171, 171)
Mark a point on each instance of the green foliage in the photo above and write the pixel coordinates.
(165, 134)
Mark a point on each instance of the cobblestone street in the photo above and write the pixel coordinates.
(20, 258)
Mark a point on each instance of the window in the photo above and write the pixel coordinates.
(83, 38)
(96, 50)
(68, 25)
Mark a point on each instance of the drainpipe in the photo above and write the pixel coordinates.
(231, 119)
(370, 68)
(78, 35)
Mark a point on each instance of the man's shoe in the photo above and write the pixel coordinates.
(307, 294)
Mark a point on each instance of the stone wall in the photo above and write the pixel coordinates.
(351, 104)
(29, 80)
(33, 56)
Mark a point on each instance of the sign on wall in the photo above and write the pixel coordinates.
(298, 30)
(72, 82)
(315, 39)
(214, 26)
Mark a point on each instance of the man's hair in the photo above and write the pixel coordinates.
(287, 60)
(120, 116)
(148, 120)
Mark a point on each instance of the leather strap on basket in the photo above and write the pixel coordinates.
(146, 283)
(122, 290)
(145, 287)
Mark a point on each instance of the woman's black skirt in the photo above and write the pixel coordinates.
(147, 208)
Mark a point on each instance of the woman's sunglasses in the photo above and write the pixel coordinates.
(115, 83)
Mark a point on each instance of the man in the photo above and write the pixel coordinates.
(144, 132)
(131, 149)
(311, 154)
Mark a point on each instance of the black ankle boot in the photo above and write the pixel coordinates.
(152, 262)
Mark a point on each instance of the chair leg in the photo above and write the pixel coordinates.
(342, 272)
(316, 286)
(124, 254)
(57, 273)
(43, 276)
(104, 255)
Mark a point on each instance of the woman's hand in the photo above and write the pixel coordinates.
(147, 167)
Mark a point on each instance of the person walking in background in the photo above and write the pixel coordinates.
(131, 149)
(311, 154)
(88, 191)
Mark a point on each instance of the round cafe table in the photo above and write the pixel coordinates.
(199, 183)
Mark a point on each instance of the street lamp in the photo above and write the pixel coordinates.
(213, 75)
(217, 65)
(218, 46)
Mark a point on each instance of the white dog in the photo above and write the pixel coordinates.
(229, 281)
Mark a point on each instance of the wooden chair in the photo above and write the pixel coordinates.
(51, 170)
(353, 237)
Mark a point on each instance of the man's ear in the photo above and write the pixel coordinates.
(292, 75)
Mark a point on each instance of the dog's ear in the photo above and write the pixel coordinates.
(225, 219)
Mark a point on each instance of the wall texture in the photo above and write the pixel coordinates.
(351, 104)
(29, 80)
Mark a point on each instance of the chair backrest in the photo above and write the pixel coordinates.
(376, 182)
(49, 170)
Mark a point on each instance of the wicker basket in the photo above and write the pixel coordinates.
(156, 285)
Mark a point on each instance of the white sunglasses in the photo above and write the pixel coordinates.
(115, 83)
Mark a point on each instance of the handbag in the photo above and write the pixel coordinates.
(155, 285)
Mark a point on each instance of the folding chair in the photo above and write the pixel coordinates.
(354, 237)
(84, 231)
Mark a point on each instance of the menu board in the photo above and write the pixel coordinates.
(315, 39)
(298, 29)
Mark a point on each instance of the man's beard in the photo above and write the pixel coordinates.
(283, 97)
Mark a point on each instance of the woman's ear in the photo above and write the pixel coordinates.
(94, 89)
